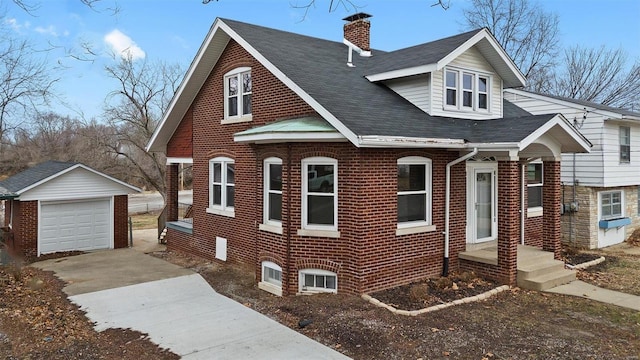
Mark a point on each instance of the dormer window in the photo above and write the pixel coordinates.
(237, 94)
(466, 90)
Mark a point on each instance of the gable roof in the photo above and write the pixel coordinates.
(437, 54)
(315, 69)
(580, 104)
(46, 171)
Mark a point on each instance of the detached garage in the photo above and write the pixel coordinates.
(61, 206)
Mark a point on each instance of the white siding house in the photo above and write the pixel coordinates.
(604, 183)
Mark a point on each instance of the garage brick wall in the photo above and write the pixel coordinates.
(120, 221)
(25, 227)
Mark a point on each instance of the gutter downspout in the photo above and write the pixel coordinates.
(445, 262)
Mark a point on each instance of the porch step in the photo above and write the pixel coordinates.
(544, 275)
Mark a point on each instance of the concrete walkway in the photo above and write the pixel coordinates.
(588, 291)
(176, 307)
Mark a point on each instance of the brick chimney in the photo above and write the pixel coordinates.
(356, 30)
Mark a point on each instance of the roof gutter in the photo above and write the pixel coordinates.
(445, 262)
(401, 141)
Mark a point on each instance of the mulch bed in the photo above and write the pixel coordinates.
(580, 258)
(430, 292)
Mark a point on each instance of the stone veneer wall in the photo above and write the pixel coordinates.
(585, 221)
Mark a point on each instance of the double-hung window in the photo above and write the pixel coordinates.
(414, 191)
(221, 186)
(625, 144)
(320, 194)
(273, 191)
(611, 205)
(534, 185)
(466, 90)
(237, 89)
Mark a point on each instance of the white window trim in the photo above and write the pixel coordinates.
(240, 117)
(267, 286)
(627, 129)
(315, 290)
(220, 209)
(268, 224)
(325, 229)
(459, 90)
(536, 210)
(413, 227)
(622, 212)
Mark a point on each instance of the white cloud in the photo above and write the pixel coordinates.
(123, 45)
(15, 24)
(49, 30)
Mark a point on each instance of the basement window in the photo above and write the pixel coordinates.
(271, 278)
(318, 281)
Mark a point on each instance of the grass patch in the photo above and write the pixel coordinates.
(145, 221)
(620, 272)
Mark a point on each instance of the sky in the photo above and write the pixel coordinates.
(173, 30)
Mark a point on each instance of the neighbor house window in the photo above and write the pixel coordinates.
(221, 186)
(271, 278)
(273, 191)
(316, 280)
(320, 193)
(611, 205)
(534, 185)
(625, 144)
(237, 88)
(466, 90)
(414, 191)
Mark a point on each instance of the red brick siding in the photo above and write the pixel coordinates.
(120, 221)
(172, 192)
(25, 227)
(181, 142)
(358, 33)
(508, 226)
(533, 231)
(551, 203)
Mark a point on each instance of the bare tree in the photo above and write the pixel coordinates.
(134, 111)
(599, 75)
(25, 81)
(527, 33)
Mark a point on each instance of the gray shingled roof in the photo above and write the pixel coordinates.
(34, 175)
(319, 67)
(589, 104)
(427, 53)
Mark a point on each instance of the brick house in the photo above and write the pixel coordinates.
(64, 206)
(331, 167)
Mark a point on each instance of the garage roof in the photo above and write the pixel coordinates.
(44, 172)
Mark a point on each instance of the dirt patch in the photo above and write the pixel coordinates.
(575, 257)
(514, 324)
(430, 292)
(618, 272)
(38, 322)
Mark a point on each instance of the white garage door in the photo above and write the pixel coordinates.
(78, 225)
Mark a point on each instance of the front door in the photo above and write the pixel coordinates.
(482, 222)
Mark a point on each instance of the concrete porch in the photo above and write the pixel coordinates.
(537, 269)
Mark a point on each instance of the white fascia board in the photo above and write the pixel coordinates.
(71, 168)
(609, 115)
(324, 113)
(564, 124)
(400, 73)
(179, 160)
(483, 34)
(401, 141)
(285, 137)
(169, 114)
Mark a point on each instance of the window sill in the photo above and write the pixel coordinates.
(270, 288)
(319, 233)
(271, 228)
(315, 291)
(237, 119)
(466, 110)
(227, 213)
(534, 212)
(415, 230)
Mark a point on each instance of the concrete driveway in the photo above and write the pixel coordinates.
(177, 308)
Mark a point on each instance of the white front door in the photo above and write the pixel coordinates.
(482, 222)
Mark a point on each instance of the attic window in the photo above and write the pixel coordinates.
(237, 94)
(466, 91)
